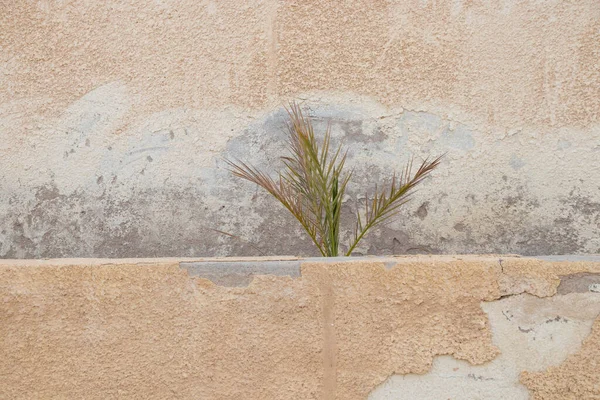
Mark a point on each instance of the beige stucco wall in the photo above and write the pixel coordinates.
(383, 328)
(114, 116)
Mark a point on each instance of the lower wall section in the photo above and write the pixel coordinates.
(378, 328)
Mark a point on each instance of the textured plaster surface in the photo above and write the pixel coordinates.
(114, 117)
(344, 329)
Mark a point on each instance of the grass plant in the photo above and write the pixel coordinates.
(313, 182)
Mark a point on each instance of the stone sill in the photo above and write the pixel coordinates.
(239, 271)
(500, 326)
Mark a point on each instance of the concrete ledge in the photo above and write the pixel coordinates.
(418, 327)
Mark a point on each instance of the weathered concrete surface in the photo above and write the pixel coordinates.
(114, 116)
(147, 329)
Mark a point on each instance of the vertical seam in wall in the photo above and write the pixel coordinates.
(329, 339)
(271, 34)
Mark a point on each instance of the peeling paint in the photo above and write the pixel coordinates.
(529, 337)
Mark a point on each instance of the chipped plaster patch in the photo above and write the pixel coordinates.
(576, 378)
(532, 334)
(542, 277)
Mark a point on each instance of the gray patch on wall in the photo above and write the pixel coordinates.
(121, 218)
(240, 273)
(579, 283)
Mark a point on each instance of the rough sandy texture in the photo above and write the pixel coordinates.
(115, 116)
(148, 330)
(139, 331)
